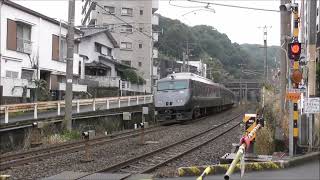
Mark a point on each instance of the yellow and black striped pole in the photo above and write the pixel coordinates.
(295, 84)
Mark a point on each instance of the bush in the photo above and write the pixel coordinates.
(131, 76)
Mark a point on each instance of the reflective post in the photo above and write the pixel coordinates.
(35, 112)
(6, 115)
(59, 106)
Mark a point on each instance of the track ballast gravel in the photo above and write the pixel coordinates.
(121, 150)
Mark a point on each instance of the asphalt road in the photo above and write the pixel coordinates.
(307, 171)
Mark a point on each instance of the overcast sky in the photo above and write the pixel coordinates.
(240, 25)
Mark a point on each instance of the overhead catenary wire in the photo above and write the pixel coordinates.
(206, 5)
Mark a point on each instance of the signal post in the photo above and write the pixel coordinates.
(293, 93)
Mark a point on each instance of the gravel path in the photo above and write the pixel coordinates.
(118, 151)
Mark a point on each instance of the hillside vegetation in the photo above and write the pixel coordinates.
(214, 48)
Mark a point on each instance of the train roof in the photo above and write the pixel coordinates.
(188, 76)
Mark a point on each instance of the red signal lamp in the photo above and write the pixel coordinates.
(294, 50)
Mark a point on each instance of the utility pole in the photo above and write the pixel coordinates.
(311, 56)
(188, 56)
(69, 68)
(285, 26)
(265, 46)
(241, 68)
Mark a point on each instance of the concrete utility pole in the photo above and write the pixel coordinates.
(311, 56)
(285, 26)
(265, 46)
(69, 68)
(240, 84)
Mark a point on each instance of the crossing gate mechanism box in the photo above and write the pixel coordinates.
(250, 123)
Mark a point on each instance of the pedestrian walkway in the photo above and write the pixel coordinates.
(307, 171)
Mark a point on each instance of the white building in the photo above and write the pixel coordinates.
(31, 41)
(201, 67)
(131, 23)
(101, 66)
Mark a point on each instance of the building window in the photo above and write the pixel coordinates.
(109, 51)
(63, 48)
(19, 36)
(126, 62)
(110, 9)
(140, 27)
(140, 46)
(126, 45)
(98, 48)
(59, 53)
(109, 26)
(139, 64)
(141, 12)
(126, 11)
(126, 29)
(12, 74)
(23, 36)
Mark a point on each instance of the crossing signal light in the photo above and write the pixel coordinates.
(294, 50)
(296, 76)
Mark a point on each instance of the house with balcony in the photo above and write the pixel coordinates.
(33, 47)
(135, 38)
(102, 70)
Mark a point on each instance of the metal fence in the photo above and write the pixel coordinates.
(91, 103)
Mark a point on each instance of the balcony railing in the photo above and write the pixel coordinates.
(75, 87)
(105, 81)
(24, 45)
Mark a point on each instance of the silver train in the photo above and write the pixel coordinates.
(184, 96)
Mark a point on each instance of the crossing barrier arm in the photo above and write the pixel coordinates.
(245, 143)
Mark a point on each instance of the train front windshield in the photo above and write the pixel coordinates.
(173, 85)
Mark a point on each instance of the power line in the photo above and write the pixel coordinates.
(218, 4)
(183, 6)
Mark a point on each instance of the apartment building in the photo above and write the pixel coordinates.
(33, 46)
(131, 24)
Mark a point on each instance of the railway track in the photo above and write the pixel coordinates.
(148, 162)
(11, 160)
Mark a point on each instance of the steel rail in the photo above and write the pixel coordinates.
(7, 161)
(126, 163)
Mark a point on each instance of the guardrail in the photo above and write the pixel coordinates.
(57, 105)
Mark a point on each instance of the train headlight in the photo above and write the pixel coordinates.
(181, 92)
(179, 100)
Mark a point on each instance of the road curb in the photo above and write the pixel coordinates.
(253, 166)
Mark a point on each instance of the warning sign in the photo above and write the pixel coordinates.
(293, 96)
(311, 105)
